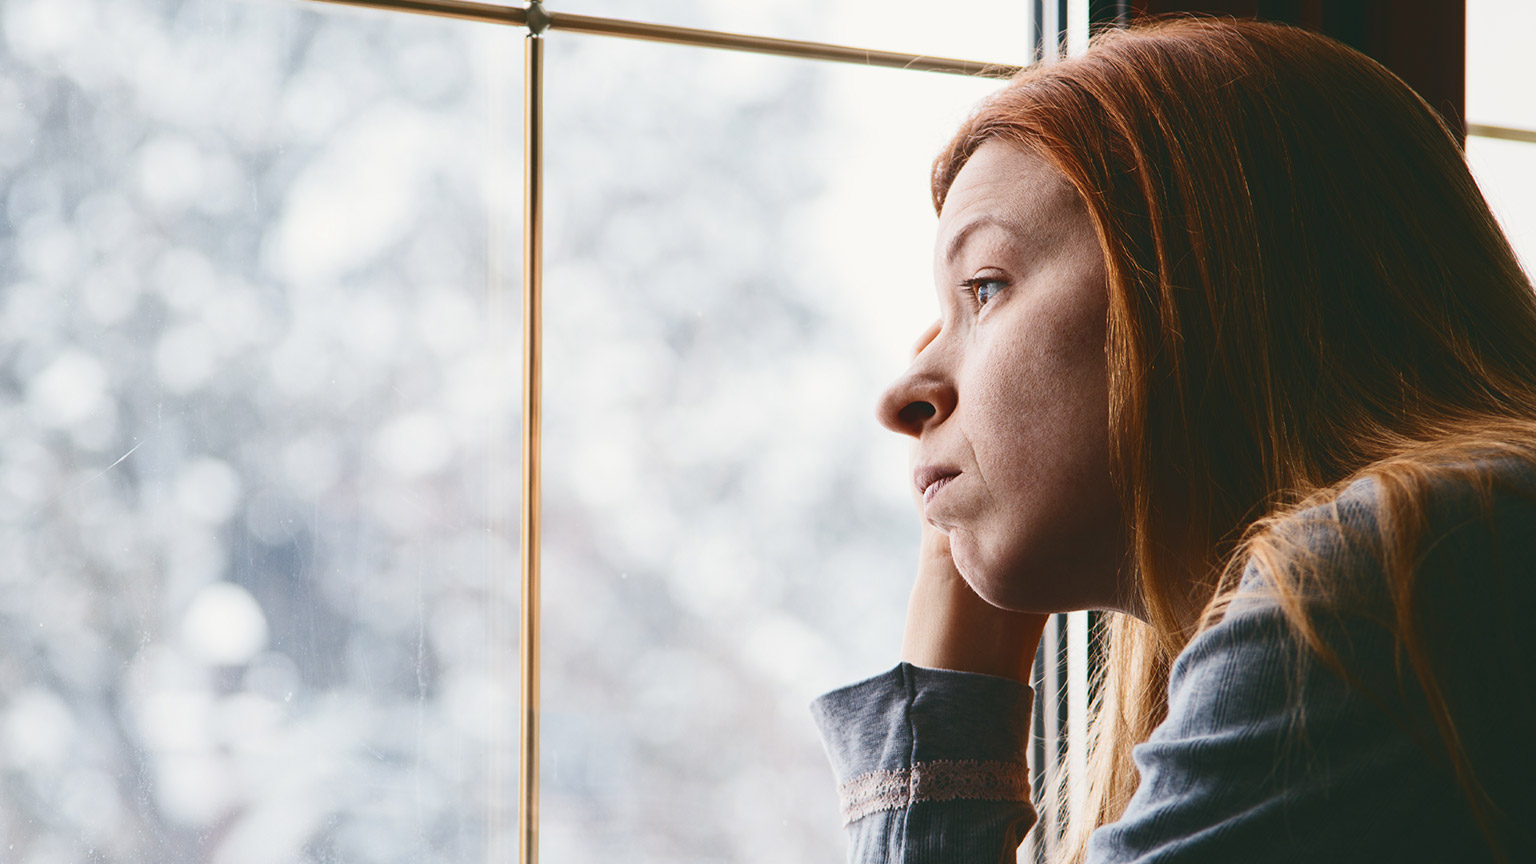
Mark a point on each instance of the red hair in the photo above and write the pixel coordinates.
(1306, 287)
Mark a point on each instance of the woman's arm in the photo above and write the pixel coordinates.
(930, 766)
(930, 757)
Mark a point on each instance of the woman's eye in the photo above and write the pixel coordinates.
(984, 289)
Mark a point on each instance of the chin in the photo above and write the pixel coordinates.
(1037, 583)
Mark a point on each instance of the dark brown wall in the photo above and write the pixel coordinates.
(1423, 41)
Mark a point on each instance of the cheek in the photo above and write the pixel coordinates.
(1038, 423)
(1039, 405)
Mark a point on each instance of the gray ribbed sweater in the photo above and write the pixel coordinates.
(1266, 754)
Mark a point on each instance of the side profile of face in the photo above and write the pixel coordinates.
(1007, 399)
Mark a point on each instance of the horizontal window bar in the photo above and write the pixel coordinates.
(461, 9)
(595, 26)
(1505, 132)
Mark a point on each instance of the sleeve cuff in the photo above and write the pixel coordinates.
(914, 735)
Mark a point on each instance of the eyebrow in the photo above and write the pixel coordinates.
(957, 240)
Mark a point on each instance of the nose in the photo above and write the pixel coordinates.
(923, 396)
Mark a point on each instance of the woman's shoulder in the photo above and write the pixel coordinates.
(1468, 521)
(1267, 754)
(1369, 731)
(1451, 492)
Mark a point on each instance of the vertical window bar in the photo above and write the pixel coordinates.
(533, 397)
(1036, 30)
(1034, 848)
(1077, 713)
(1051, 707)
(1062, 30)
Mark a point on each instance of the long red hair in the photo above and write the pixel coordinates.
(1306, 287)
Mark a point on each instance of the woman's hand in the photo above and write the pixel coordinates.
(949, 627)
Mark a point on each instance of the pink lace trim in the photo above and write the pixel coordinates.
(940, 780)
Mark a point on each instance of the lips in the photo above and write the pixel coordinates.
(931, 478)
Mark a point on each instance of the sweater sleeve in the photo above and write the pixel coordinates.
(930, 765)
(1269, 755)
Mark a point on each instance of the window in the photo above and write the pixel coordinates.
(1501, 144)
(253, 420)
(261, 475)
(727, 532)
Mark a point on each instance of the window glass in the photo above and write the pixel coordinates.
(992, 31)
(739, 258)
(1506, 172)
(1499, 64)
(256, 427)
(1500, 68)
(259, 304)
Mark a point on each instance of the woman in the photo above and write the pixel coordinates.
(1258, 261)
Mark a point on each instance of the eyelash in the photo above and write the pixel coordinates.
(973, 285)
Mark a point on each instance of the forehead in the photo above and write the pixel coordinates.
(1012, 183)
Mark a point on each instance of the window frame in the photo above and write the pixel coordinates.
(1071, 647)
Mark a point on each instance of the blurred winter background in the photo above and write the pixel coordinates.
(1500, 69)
(258, 297)
(259, 282)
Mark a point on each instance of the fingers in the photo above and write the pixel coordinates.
(950, 627)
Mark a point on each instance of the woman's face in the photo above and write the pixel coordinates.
(1007, 399)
